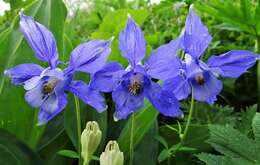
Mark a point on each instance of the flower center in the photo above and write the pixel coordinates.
(135, 87)
(49, 86)
(199, 78)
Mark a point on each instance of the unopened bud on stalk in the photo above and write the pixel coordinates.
(90, 139)
(112, 155)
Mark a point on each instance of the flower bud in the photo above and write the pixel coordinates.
(90, 139)
(112, 155)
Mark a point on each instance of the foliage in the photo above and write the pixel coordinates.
(235, 146)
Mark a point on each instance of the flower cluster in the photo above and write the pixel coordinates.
(46, 87)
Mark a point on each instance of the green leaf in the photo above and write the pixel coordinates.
(245, 6)
(112, 24)
(147, 148)
(69, 153)
(246, 119)
(20, 118)
(232, 143)
(143, 120)
(256, 128)
(196, 136)
(15, 152)
(230, 12)
(161, 140)
(211, 159)
(115, 21)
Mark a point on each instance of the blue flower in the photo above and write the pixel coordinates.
(131, 85)
(197, 76)
(47, 87)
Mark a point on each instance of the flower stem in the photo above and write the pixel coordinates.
(183, 136)
(78, 126)
(188, 120)
(131, 147)
(257, 49)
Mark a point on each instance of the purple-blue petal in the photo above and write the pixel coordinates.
(233, 63)
(125, 102)
(208, 91)
(107, 78)
(196, 37)
(164, 101)
(163, 62)
(89, 57)
(87, 95)
(132, 43)
(23, 72)
(40, 39)
(179, 85)
(51, 107)
(35, 97)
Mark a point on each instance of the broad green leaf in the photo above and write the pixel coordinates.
(245, 6)
(16, 115)
(115, 21)
(143, 121)
(69, 153)
(111, 26)
(15, 152)
(52, 131)
(147, 149)
(50, 152)
(196, 136)
(228, 11)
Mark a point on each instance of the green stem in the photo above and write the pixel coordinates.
(257, 49)
(131, 147)
(78, 126)
(188, 120)
(183, 136)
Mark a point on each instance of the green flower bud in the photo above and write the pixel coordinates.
(112, 155)
(90, 139)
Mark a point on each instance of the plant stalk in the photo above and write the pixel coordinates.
(188, 120)
(131, 147)
(183, 136)
(257, 49)
(78, 127)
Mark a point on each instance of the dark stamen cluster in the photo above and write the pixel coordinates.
(200, 79)
(135, 87)
(49, 86)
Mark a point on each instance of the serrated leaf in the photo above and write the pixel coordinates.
(211, 159)
(228, 11)
(232, 143)
(246, 119)
(256, 128)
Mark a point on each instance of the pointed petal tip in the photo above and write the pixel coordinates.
(6, 72)
(41, 123)
(129, 16)
(115, 118)
(112, 38)
(21, 14)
